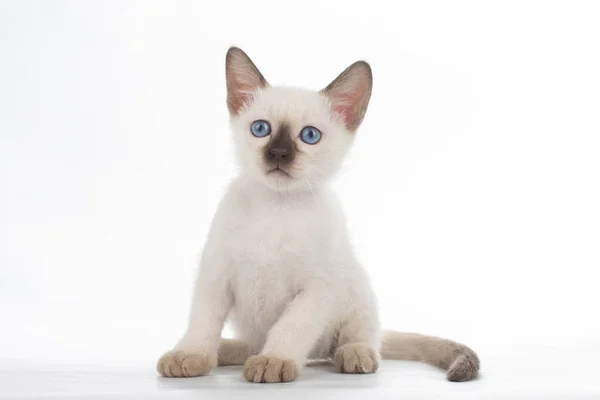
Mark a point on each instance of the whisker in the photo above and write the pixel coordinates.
(309, 185)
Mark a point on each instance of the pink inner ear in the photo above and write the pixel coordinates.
(349, 104)
(243, 79)
(350, 92)
(241, 95)
(342, 106)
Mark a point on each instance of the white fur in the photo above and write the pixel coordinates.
(278, 255)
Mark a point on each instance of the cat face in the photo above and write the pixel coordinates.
(293, 139)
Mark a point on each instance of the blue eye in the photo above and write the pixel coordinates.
(260, 128)
(310, 135)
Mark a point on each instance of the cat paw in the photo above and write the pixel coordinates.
(356, 358)
(263, 369)
(180, 364)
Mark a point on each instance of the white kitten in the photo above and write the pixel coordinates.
(278, 261)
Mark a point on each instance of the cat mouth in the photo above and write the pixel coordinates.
(279, 172)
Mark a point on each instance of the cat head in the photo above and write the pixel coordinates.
(292, 139)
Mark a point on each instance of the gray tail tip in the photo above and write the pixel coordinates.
(464, 368)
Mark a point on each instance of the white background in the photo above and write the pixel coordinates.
(473, 191)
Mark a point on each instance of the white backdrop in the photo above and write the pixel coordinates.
(473, 190)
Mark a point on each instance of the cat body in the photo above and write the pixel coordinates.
(278, 247)
(278, 262)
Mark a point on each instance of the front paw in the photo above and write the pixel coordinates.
(356, 358)
(263, 369)
(179, 364)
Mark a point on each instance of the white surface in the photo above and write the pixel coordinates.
(542, 374)
(472, 192)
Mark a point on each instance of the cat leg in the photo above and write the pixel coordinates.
(234, 352)
(196, 352)
(357, 350)
(291, 338)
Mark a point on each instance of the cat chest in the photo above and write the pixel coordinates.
(269, 259)
(271, 240)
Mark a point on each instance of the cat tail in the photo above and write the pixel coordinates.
(460, 362)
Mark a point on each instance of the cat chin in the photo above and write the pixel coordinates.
(283, 182)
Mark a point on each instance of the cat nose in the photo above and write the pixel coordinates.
(279, 154)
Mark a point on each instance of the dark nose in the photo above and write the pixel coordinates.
(279, 154)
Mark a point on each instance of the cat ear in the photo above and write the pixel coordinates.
(350, 92)
(243, 79)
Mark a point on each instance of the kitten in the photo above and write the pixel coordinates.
(278, 261)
